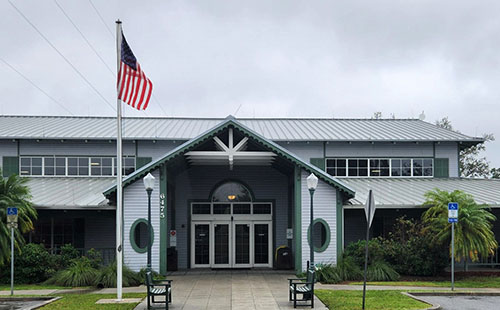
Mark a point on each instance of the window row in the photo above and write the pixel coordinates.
(225, 208)
(74, 166)
(367, 167)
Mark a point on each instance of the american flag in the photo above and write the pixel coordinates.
(133, 86)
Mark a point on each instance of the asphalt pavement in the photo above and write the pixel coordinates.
(464, 302)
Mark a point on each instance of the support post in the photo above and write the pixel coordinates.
(119, 195)
(311, 244)
(12, 260)
(149, 228)
(453, 256)
(366, 247)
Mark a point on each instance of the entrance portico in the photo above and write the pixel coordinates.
(232, 197)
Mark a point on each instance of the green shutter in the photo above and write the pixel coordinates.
(441, 168)
(10, 166)
(318, 162)
(141, 161)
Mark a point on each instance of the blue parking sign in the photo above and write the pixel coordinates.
(11, 211)
(452, 212)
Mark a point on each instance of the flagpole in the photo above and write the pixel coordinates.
(119, 195)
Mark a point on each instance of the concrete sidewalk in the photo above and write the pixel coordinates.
(47, 291)
(231, 290)
(348, 287)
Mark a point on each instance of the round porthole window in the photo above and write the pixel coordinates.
(321, 232)
(139, 236)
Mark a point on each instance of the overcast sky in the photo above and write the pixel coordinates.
(262, 59)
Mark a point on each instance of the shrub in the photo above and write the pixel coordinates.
(107, 277)
(79, 273)
(410, 250)
(142, 275)
(68, 254)
(356, 251)
(327, 273)
(33, 264)
(381, 271)
(348, 270)
(95, 258)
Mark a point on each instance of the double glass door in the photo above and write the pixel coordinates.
(231, 244)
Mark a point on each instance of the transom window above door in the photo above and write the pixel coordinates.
(207, 208)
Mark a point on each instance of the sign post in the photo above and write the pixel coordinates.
(453, 218)
(12, 223)
(370, 213)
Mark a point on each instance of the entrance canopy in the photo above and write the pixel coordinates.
(231, 143)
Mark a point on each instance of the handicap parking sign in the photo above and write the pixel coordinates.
(453, 212)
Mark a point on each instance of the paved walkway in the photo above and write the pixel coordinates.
(231, 290)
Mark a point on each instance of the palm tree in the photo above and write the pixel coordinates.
(473, 234)
(14, 193)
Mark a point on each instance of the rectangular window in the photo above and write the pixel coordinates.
(73, 166)
(380, 167)
(49, 164)
(264, 208)
(336, 167)
(201, 208)
(401, 167)
(423, 167)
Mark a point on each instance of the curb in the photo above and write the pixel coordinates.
(455, 293)
(432, 307)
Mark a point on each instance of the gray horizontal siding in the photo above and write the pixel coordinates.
(305, 150)
(155, 149)
(135, 206)
(73, 148)
(449, 150)
(325, 202)
(379, 149)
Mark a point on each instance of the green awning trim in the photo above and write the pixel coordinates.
(233, 123)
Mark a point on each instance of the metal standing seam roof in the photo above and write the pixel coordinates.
(232, 122)
(409, 192)
(276, 129)
(70, 193)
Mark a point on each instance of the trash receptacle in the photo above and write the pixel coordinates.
(284, 258)
(171, 259)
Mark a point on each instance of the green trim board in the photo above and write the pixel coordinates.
(339, 214)
(231, 122)
(142, 161)
(297, 229)
(441, 167)
(163, 219)
(10, 165)
(328, 233)
(318, 162)
(132, 236)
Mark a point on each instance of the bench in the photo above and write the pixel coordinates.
(303, 286)
(158, 288)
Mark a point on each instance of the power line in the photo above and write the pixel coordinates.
(102, 19)
(159, 104)
(83, 36)
(60, 54)
(111, 33)
(36, 86)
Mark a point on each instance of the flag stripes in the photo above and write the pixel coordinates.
(134, 87)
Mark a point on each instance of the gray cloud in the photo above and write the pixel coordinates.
(274, 58)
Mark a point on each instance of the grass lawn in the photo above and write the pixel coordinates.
(6, 287)
(375, 300)
(87, 301)
(472, 282)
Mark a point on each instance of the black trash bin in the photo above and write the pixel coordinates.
(171, 259)
(284, 258)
